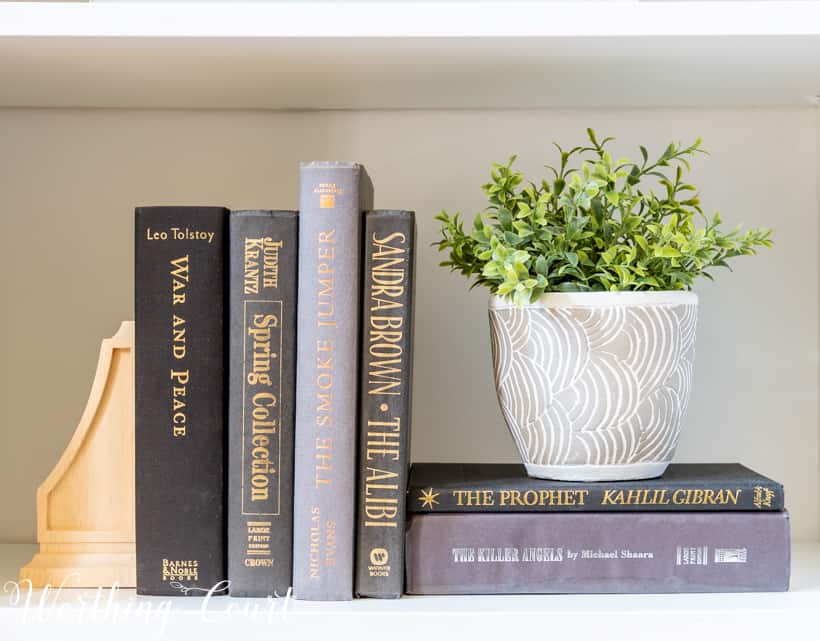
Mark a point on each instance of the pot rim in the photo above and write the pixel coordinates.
(602, 299)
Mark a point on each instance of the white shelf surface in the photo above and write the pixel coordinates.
(90, 614)
(363, 55)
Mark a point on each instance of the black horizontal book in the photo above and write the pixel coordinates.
(494, 487)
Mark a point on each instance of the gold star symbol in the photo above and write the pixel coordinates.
(428, 498)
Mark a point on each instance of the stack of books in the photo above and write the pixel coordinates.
(490, 529)
(224, 390)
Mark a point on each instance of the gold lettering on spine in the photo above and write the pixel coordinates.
(388, 280)
(326, 254)
(322, 535)
(512, 498)
(261, 387)
(541, 498)
(664, 496)
(180, 273)
(761, 497)
(261, 264)
(325, 352)
(264, 427)
(385, 289)
(258, 545)
(314, 543)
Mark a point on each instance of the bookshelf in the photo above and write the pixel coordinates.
(104, 106)
(398, 55)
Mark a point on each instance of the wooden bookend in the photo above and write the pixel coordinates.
(85, 508)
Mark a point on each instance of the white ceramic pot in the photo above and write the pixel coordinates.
(593, 385)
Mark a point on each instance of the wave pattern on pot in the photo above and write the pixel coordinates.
(594, 386)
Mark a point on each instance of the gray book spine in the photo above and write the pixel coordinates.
(332, 199)
(508, 553)
(261, 396)
(386, 382)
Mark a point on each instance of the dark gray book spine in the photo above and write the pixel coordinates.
(261, 401)
(385, 392)
(180, 399)
(333, 197)
(598, 553)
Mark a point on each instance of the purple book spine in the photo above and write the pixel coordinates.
(598, 553)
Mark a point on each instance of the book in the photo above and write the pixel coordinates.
(333, 196)
(650, 552)
(261, 397)
(385, 394)
(498, 487)
(179, 287)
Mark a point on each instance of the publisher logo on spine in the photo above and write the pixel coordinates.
(379, 558)
(731, 555)
(762, 497)
(180, 570)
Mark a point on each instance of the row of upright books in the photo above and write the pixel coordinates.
(273, 394)
(273, 356)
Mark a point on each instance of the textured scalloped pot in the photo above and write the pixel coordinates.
(593, 386)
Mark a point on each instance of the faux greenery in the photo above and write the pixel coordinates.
(602, 226)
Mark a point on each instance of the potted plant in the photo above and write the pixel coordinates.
(592, 317)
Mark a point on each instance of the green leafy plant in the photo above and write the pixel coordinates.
(602, 225)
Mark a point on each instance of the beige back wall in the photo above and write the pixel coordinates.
(69, 181)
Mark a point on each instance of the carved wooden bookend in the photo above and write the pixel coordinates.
(85, 508)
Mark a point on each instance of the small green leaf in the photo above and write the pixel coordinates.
(512, 238)
(666, 252)
(504, 219)
(523, 210)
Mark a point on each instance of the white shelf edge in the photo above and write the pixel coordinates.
(805, 591)
(89, 614)
(792, 18)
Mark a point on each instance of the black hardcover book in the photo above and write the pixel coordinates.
(385, 391)
(180, 399)
(491, 487)
(261, 394)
